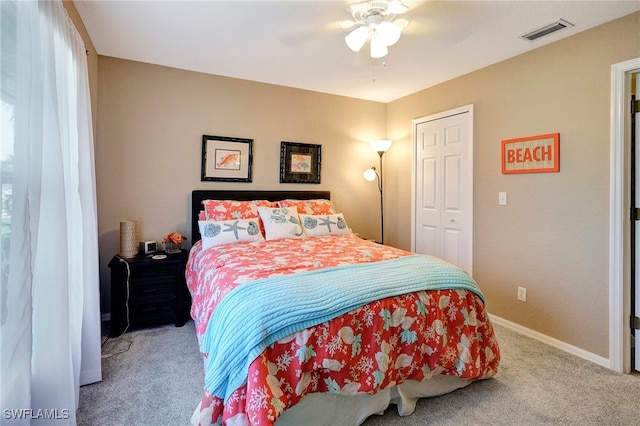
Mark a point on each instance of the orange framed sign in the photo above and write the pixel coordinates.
(533, 154)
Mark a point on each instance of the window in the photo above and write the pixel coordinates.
(7, 125)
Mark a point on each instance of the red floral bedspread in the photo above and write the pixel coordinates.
(408, 337)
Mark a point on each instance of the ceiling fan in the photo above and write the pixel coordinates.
(375, 20)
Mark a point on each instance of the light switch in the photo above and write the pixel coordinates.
(502, 198)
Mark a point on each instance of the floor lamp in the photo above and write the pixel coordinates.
(380, 146)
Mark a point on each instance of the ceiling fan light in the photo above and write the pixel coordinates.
(357, 38)
(401, 23)
(389, 33)
(378, 47)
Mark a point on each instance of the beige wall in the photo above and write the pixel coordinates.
(148, 153)
(552, 237)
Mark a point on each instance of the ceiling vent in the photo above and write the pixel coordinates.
(561, 24)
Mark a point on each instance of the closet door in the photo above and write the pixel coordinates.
(442, 202)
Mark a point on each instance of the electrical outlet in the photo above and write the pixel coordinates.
(522, 294)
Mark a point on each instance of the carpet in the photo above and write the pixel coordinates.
(155, 377)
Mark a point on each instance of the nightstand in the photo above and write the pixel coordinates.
(147, 292)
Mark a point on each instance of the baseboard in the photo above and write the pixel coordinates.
(573, 350)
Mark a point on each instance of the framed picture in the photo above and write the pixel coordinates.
(226, 159)
(531, 154)
(299, 162)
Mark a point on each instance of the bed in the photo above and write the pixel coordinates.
(300, 321)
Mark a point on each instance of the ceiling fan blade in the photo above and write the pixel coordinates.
(299, 38)
(347, 24)
(438, 22)
(359, 7)
(397, 7)
(305, 29)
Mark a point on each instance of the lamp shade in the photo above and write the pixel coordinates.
(381, 145)
(357, 38)
(128, 238)
(370, 174)
(378, 46)
(389, 33)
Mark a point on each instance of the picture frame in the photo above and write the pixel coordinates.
(300, 162)
(531, 154)
(226, 159)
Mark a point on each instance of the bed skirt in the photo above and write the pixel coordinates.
(321, 409)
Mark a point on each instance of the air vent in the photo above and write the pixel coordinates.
(561, 24)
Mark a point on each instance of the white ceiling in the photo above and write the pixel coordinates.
(299, 43)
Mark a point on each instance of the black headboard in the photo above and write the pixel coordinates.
(197, 196)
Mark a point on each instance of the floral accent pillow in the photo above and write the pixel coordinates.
(230, 209)
(281, 222)
(313, 207)
(229, 232)
(319, 225)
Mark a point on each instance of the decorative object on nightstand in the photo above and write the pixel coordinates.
(172, 242)
(380, 146)
(147, 291)
(128, 238)
(148, 247)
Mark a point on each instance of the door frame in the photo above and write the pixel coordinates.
(619, 286)
(467, 109)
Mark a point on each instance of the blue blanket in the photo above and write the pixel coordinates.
(257, 314)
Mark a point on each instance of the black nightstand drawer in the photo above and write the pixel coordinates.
(153, 273)
(140, 303)
(152, 313)
(147, 292)
(152, 289)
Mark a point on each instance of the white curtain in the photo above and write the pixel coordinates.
(49, 302)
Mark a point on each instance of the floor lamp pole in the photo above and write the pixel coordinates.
(381, 153)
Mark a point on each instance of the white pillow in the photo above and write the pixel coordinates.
(229, 232)
(281, 222)
(324, 224)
